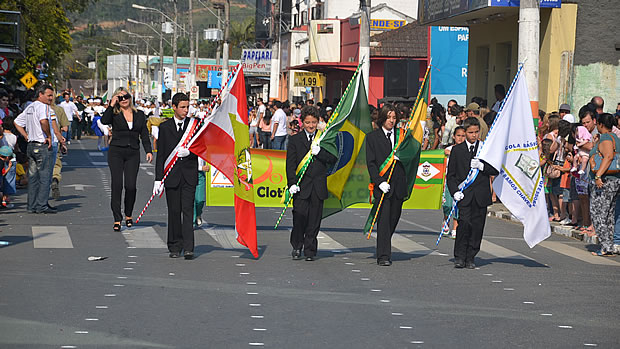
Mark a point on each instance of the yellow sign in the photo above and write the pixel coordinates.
(28, 80)
(307, 79)
(386, 24)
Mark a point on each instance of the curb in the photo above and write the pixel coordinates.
(500, 211)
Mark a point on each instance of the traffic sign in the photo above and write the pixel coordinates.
(5, 65)
(193, 93)
(28, 80)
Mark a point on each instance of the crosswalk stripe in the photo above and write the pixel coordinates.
(227, 238)
(327, 243)
(406, 245)
(95, 153)
(51, 237)
(501, 252)
(144, 237)
(99, 163)
(577, 253)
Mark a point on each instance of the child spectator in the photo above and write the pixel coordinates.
(580, 161)
(447, 200)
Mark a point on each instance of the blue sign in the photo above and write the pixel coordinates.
(214, 79)
(515, 3)
(449, 52)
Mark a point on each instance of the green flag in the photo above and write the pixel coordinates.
(104, 98)
(348, 179)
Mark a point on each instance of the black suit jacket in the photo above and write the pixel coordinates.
(378, 148)
(315, 177)
(458, 169)
(186, 168)
(122, 136)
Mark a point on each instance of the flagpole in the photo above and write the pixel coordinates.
(413, 110)
(192, 133)
(317, 140)
(473, 173)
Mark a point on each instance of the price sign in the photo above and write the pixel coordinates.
(307, 79)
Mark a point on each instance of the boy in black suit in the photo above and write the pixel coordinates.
(379, 145)
(309, 195)
(181, 181)
(473, 201)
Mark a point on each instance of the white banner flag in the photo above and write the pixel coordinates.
(511, 147)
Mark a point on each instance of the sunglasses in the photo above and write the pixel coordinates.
(123, 97)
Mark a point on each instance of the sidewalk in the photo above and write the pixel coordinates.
(500, 211)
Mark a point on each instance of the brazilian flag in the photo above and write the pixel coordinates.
(105, 97)
(407, 148)
(348, 179)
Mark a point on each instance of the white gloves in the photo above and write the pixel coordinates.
(458, 196)
(157, 188)
(384, 187)
(182, 152)
(476, 163)
(316, 149)
(294, 189)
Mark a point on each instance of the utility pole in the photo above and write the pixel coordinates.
(96, 70)
(529, 34)
(226, 40)
(160, 75)
(364, 51)
(274, 79)
(174, 48)
(218, 52)
(192, 61)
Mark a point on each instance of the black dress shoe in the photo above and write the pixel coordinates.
(310, 258)
(459, 264)
(470, 265)
(384, 263)
(175, 255)
(296, 254)
(188, 255)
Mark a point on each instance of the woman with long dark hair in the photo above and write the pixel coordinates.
(129, 127)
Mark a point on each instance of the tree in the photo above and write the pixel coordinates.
(46, 31)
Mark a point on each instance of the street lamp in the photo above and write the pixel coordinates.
(160, 74)
(126, 45)
(148, 68)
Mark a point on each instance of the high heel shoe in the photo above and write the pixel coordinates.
(117, 227)
(129, 222)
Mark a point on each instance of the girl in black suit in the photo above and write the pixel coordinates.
(309, 195)
(129, 127)
(379, 145)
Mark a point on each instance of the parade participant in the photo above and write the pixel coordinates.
(379, 145)
(71, 111)
(129, 126)
(201, 191)
(309, 195)
(447, 200)
(473, 201)
(78, 122)
(181, 181)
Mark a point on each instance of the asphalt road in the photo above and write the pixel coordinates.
(51, 296)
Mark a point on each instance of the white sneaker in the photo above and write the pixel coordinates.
(453, 235)
(581, 172)
(565, 221)
(198, 221)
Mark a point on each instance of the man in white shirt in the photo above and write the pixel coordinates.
(278, 130)
(34, 125)
(71, 111)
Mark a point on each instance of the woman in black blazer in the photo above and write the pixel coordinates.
(129, 129)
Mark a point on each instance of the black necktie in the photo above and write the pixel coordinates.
(180, 127)
(310, 136)
(389, 137)
(471, 150)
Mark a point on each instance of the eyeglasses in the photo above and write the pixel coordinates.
(124, 97)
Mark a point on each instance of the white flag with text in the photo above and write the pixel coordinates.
(512, 148)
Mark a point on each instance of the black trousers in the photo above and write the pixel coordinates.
(124, 164)
(389, 215)
(469, 232)
(76, 128)
(180, 202)
(306, 224)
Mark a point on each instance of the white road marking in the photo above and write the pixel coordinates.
(577, 253)
(528, 302)
(101, 307)
(227, 238)
(91, 319)
(119, 285)
(80, 332)
(257, 316)
(259, 329)
(327, 243)
(385, 301)
(406, 245)
(509, 289)
(417, 342)
(501, 252)
(99, 163)
(121, 277)
(68, 346)
(375, 290)
(365, 279)
(256, 344)
(355, 271)
(565, 326)
(109, 295)
(251, 293)
(590, 345)
(244, 273)
(94, 153)
(51, 237)
(250, 283)
(405, 327)
(546, 314)
(397, 314)
(497, 281)
(240, 265)
(127, 268)
(255, 304)
(144, 237)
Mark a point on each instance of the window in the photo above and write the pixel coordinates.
(296, 20)
(304, 17)
(325, 28)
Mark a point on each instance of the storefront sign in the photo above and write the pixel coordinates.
(307, 79)
(256, 61)
(386, 24)
(433, 10)
(449, 49)
(202, 71)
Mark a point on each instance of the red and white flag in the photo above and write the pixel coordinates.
(223, 142)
